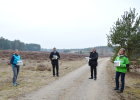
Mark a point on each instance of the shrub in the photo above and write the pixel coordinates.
(48, 68)
(41, 67)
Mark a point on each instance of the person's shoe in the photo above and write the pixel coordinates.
(14, 84)
(57, 75)
(17, 83)
(120, 91)
(116, 89)
(91, 78)
(94, 78)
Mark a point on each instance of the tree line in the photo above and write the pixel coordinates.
(6, 44)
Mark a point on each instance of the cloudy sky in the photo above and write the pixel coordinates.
(61, 23)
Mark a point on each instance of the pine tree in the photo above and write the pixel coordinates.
(125, 33)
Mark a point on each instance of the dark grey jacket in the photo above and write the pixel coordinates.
(54, 61)
(93, 59)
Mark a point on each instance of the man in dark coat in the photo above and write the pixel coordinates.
(93, 63)
(54, 57)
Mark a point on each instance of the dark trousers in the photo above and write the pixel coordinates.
(15, 73)
(93, 68)
(55, 67)
(118, 74)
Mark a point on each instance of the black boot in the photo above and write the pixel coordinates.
(91, 78)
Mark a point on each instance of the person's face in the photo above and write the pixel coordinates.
(94, 50)
(17, 52)
(121, 52)
(54, 49)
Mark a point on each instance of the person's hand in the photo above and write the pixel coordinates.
(8, 63)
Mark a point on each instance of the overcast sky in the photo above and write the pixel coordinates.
(61, 23)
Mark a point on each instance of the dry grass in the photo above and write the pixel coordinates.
(41, 67)
(132, 84)
(31, 77)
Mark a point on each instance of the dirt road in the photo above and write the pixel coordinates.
(76, 86)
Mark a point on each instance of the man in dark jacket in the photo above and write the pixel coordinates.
(93, 63)
(54, 57)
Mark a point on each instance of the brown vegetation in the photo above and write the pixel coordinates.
(39, 55)
(43, 67)
(35, 73)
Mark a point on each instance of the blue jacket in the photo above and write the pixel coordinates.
(14, 60)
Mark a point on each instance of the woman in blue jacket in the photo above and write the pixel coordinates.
(15, 67)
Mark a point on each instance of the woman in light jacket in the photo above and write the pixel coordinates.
(15, 66)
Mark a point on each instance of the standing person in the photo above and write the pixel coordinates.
(121, 69)
(93, 63)
(54, 57)
(15, 67)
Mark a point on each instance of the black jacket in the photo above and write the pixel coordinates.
(51, 57)
(93, 59)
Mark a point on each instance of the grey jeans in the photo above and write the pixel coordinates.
(15, 72)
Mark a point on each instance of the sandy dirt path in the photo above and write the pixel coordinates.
(76, 86)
